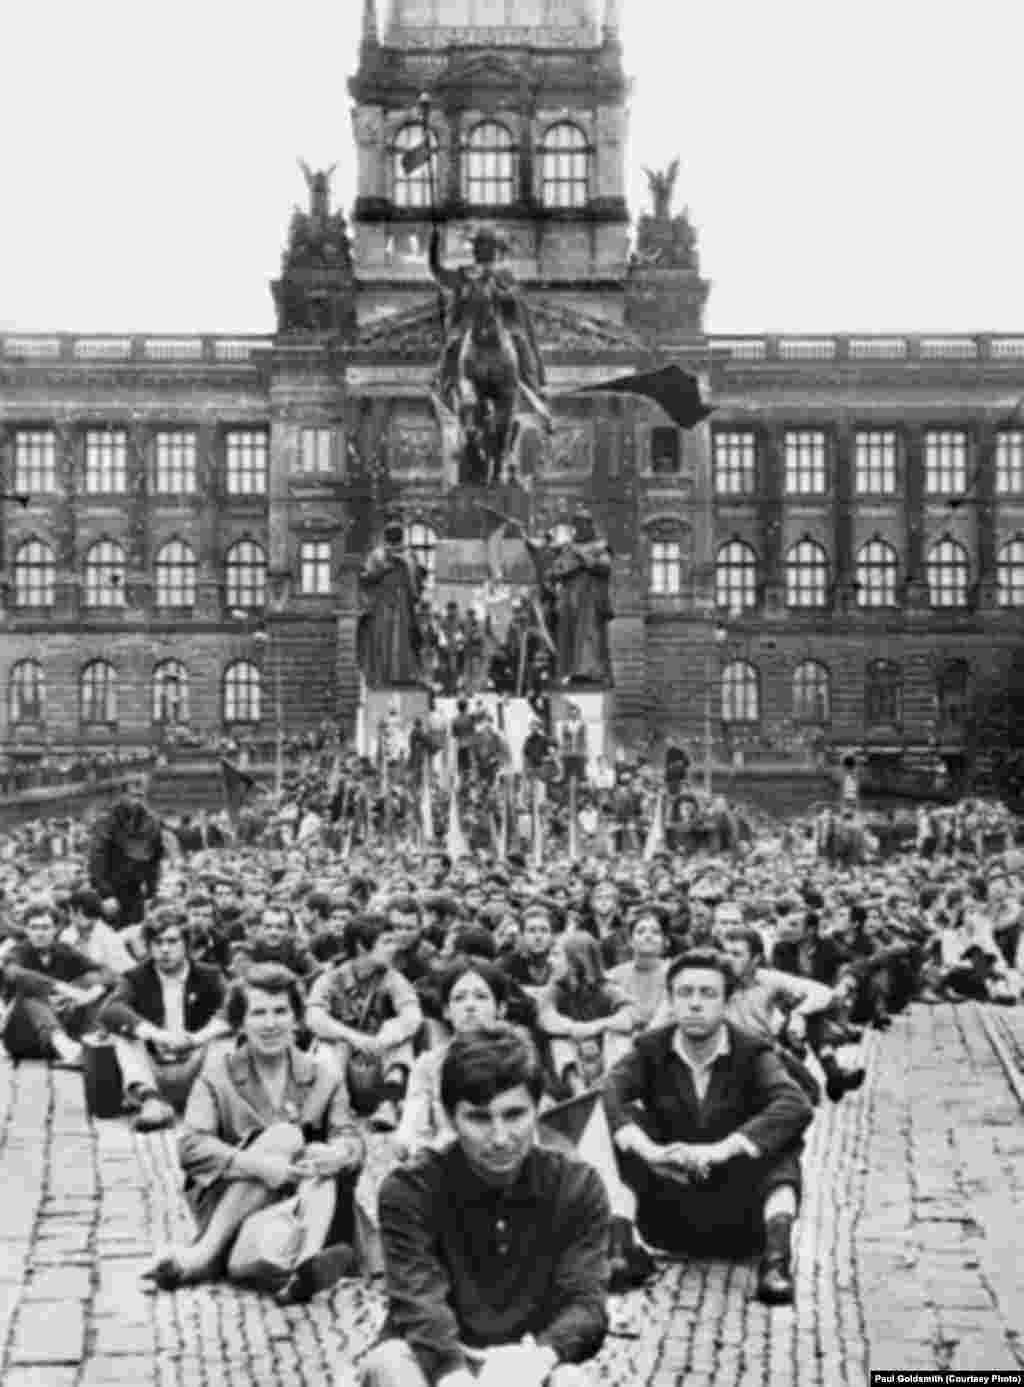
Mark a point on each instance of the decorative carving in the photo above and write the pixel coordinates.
(415, 444)
(664, 240)
(571, 448)
(417, 333)
(315, 291)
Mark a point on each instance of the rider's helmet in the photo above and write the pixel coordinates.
(486, 245)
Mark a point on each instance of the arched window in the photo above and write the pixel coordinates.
(98, 695)
(564, 166)
(807, 575)
(35, 574)
(104, 575)
(952, 688)
(883, 694)
(812, 693)
(243, 692)
(410, 179)
(489, 173)
(666, 572)
(176, 575)
(246, 574)
(948, 571)
(877, 568)
(26, 693)
(1010, 574)
(736, 577)
(741, 701)
(422, 542)
(170, 694)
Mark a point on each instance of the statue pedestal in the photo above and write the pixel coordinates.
(595, 707)
(376, 705)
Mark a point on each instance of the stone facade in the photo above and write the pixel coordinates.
(341, 396)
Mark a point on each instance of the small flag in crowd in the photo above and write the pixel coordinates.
(580, 1128)
(656, 833)
(237, 785)
(456, 845)
(426, 811)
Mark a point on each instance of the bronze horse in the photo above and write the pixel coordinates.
(488, 381)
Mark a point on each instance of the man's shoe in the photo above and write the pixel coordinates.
(384, 1117)
(854, 1079)
(835, 1085)
(774, 1277)
(154, 1115)
(318, 1273)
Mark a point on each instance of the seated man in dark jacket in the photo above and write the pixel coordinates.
(709, 1125)
(164, 1014)
(126, 852)
(55, 990)
(495, 1248)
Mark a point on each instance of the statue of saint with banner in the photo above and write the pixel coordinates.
(388, 636)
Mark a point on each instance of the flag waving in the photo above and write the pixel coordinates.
(656, 833)
(418, 157)
(677, 391)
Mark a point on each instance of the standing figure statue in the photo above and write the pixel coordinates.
(490, 355)
(388, 636)
(581, 574)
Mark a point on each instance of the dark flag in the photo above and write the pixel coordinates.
(417, 157)
(674, 389)
(237, 785)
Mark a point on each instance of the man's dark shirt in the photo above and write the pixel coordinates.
(750, 1092)
(27, 973)
(471, 1264)
(126, 851)
(818, 959)
(139, 997)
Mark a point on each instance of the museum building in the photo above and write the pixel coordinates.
(836, 558)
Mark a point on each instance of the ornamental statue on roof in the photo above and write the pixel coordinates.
(315, 291)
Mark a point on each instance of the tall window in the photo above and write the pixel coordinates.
(246, 452)
(1009, 463)
(664, 451)
(952, 689)
(35, 574)
(246, 574)
(948, 571)
(945, 462)
(104, 575)
(170, 694)
(740, 696)
(489, 174)
(883, 694)
(422, 541)
(315, 450)
(26, 693)
(315, 567)
(812, 698)
(243, 689)
(875, 463)
(412, 188)
(807, 575)
(735, 464)
(563, 166)
(106, 462)
(806, 470)
(98, 695)
(35, 461)
(175, 472)
(1010, 574)
(877, 569)
(176, 575)
(736, 577)
(666, 567)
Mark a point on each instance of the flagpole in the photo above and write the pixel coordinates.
(424, 108)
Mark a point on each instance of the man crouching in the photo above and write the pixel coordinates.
(495, 1249)
(709, 1125)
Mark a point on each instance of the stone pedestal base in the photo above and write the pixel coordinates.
(596, 706)
(375, 706)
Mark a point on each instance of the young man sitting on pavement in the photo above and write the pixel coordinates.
(89, 933)
(263, 1120)
(368, 1014)
(164, 1015)
(495, 1248)
(54, 988)
(709, 1127)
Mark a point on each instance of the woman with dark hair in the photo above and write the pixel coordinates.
(263, 1121)
(590, 1022)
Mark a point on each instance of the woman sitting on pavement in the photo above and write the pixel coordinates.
(262, 1121)
(590, 1022)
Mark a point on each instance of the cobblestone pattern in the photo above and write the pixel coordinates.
(906, 1256)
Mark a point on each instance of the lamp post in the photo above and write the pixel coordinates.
(279, 584)
(710, 662)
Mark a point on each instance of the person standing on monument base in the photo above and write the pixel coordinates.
(388, 637)
(581, 574)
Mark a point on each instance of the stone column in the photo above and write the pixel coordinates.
(771, 494)
(69, 443)
(983, 494)
(139, 573)
(916, 592)
(208, 498)
(844, 596)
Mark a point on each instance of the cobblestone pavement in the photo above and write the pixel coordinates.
(906, 1258)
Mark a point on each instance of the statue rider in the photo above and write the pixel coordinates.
(515, 314)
